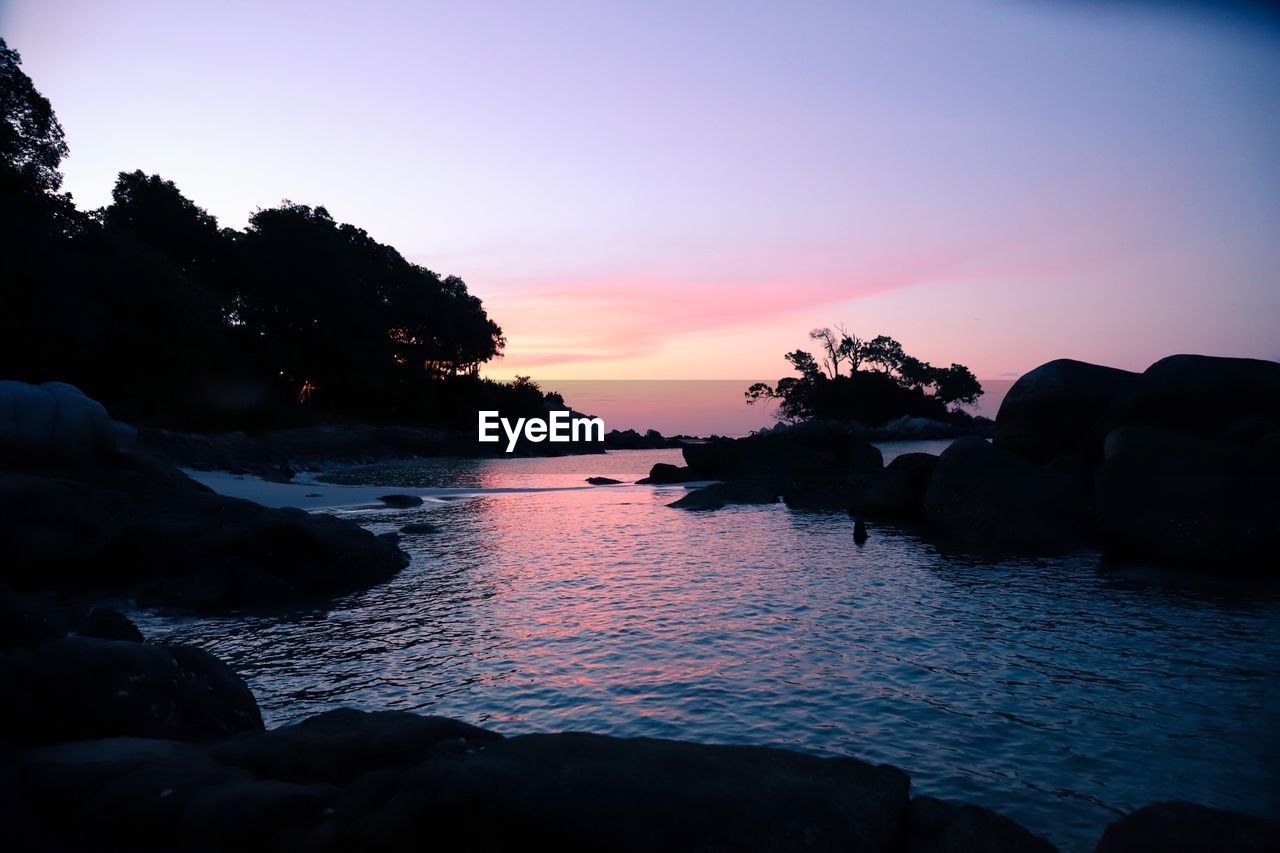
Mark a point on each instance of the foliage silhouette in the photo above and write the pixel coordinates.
(150, 306)
(892, 385)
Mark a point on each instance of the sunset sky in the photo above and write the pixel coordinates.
(678, 190)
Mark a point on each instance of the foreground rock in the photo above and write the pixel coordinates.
(1173, 827)
(938, 826)
(989, 497)
(80, 687)
(83, 510)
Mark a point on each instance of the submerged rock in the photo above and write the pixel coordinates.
(401, 501)
(603, 481)
(988, 497)
(666, 474)
(1175, 827)
(419, 528)
(718, 495)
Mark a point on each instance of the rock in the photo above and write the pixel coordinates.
(589, 792)
(894, 491)
(988, 497)
(1054, 410)
(859, 531)
(25, 621)
(180, 547)
(107, 623)
(419, 528)
(79, 687)
(938, 826)
(339, 746)
(1202, 394)
(603, 481)
(1174, 827)
(793, 459)
(55, 421)
(145, 793)
(718, 495)
(1185, 499)
(665, 474)
(401, 501)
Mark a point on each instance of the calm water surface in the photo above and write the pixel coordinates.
(1053, 690)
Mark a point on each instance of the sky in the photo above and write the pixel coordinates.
(672, 190)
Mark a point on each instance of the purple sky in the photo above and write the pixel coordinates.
(654, 190)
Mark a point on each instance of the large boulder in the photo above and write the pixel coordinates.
(898, 489)
(1204, 394)
(989, 497)
(78, 687)
(341, 745)
(1054, 410)
(185, 549)
(55, 421)
(1181, 498)
(1176, 827)
(787, 459)
(589, 792)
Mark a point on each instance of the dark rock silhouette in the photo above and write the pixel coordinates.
(1184, 499)
(988, 497)
(1174, 827)
(665, 474)
(603, 481)
(107, 623)
(82, 508)
(79, 687)
(719, 495)
(419, 528)
(799, 457)
(401, 501)
(938, 826)
(1054, 410)
(859, 531)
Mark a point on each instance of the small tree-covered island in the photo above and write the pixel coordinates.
(264, 587)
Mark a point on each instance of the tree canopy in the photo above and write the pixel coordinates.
(882, 382)
(151, 306)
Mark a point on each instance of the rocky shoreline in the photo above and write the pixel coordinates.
(109, 742)
(1178, 465)
(112, 743)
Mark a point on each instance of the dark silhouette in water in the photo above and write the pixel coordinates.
(859, 531)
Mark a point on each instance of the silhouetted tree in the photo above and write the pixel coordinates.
(151, 307)
(32, 143)
(897, 384)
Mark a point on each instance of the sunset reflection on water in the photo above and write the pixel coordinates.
(1050, 689)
